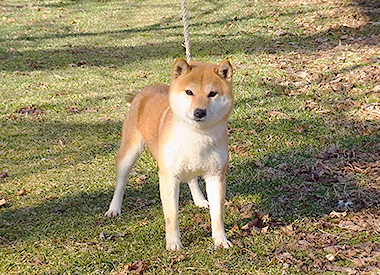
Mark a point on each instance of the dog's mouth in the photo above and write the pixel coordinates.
(199, 119)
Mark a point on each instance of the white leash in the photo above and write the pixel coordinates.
(185, 29)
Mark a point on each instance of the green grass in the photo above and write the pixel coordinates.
(304, 135)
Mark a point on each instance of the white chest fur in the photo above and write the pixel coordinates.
(192, 152)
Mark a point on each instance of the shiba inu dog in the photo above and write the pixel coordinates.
(184, 125)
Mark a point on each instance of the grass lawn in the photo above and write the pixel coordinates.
(303, 191)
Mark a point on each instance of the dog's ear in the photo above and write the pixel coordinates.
(180, 67)
(224, 70)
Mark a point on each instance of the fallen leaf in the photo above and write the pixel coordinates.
(304, 243)
(4, 241)
(141, 179)
(276, 113)
(349, 225)
(143, 74)
(330, 257)
(259, 224)
(340, 269)
(91, 110)
(29, 110)
(101, 236)
(241, 150)
(79, 64)
(321, 40)
(284, 166)
(37, 261)
(264, 230)
(139, 266)
(221, 265)
(283, 256)
(301, 74)
(234, 228)
(111, 237)
(35, 64)
(299, 129)
(288, 229)
(334, 214)
(178, 258)
(60, 142)
(11, 20)
(58, 210)
(262, 216)
(20, 72)
(246, 211)
(74, 110)
(22, 192)
(79, 50)
(108, 146)
(206, 227)
(3, 202)
(259, 164)
(104, 118)
(4, 175)
(250, 224)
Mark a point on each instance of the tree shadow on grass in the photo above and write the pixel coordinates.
(38, 146)
(202, 45)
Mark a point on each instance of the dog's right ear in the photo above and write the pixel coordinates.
(180, 67)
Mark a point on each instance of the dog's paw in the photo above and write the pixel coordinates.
(174, 246)
(113, 213)
(223, 244)
(220, 240)
(202, 203)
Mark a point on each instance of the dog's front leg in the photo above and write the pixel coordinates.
(216, 190)
(169, 191)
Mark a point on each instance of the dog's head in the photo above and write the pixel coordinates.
(201, 93)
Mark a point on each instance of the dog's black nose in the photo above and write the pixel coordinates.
(199, 113)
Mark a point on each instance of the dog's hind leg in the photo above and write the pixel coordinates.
(198, 198)
(131, 146)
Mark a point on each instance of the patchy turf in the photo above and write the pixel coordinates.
(303, 183)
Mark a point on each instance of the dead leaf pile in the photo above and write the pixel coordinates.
(259, 222)
(326, 246)
(331, 19)
(370, 111)
(343, 168)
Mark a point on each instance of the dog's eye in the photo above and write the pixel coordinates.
(212, 94)
(189, 92)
